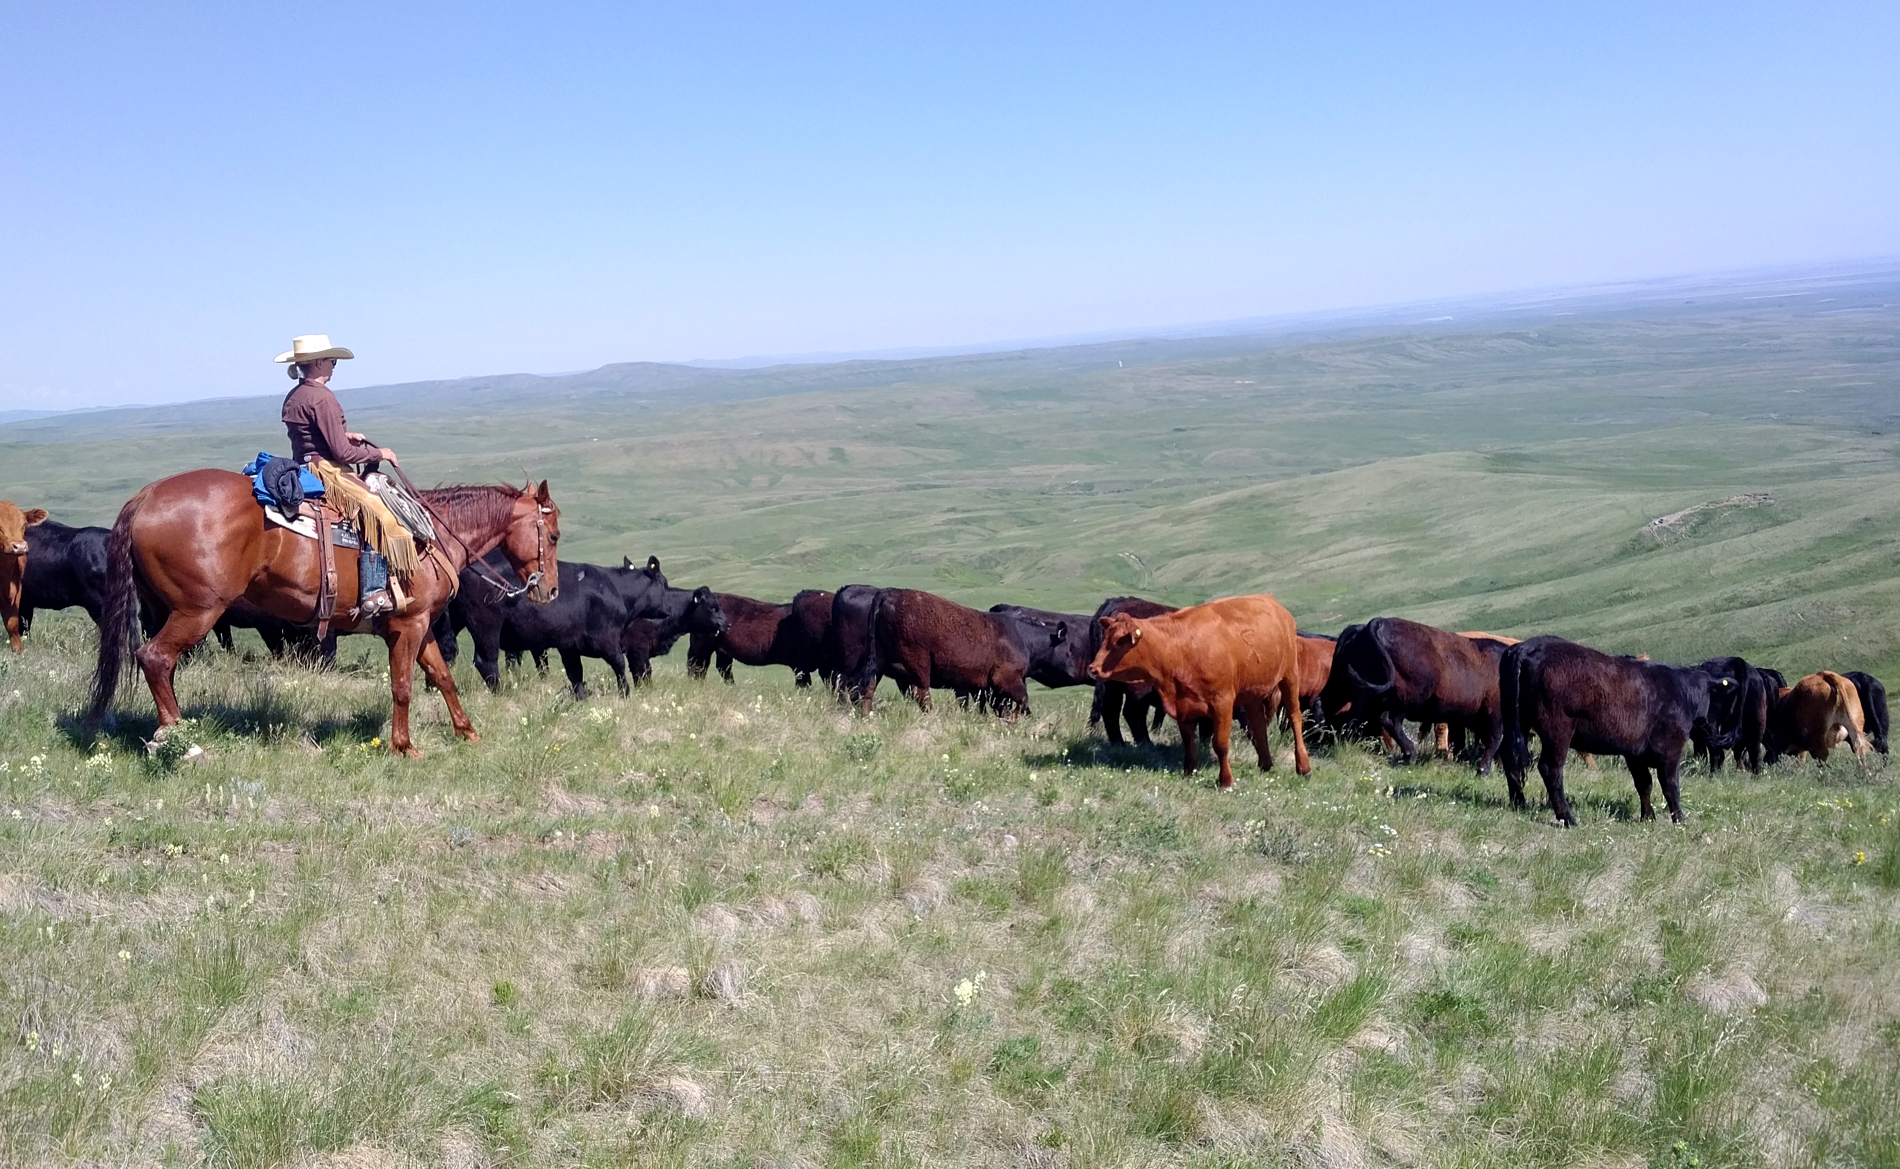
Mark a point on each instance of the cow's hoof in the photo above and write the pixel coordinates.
(469, 736)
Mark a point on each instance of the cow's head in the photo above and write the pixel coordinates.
(1725, 710)
(1121, 658)
(13, 526)
(703, 614)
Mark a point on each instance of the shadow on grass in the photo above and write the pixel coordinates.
(266, 720)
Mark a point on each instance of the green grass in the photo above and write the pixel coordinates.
(708, 925)
(736, 925)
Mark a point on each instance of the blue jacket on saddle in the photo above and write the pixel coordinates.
(278, 482)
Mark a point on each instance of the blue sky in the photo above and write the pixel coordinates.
(465, 189)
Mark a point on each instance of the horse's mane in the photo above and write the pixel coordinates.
(473, 505)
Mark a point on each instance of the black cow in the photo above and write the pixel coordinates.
(1115, 701)
(65, 567)
(1873, 699)
(697, 614)
(1572, 696)
(1760, 687)
(280, 637)
(587, 618)
(1390, 670)
(1057, 644)
(850, 647)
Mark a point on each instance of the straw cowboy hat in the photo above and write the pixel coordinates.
(314, 347)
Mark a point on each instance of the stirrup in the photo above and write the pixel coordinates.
(376, 604)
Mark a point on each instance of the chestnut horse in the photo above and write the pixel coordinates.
(192, 544)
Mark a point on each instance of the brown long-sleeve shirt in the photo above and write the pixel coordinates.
(315, 420)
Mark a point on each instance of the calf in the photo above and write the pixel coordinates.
(699, 615)
(13, 561)
(850, 650)
(1873, 702)
(1206, 660)
(1390, 670)
(65, 568)
(1135, 701)
(926, 642)
(1570, 695)
(1817, 713)
(761, 633)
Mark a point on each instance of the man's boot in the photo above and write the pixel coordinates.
(372, 572)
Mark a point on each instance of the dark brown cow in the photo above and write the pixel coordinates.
(765, 634)
(1391, 669)
(1206, 660)
(1572, 696)
(13, 526)
(925, 642)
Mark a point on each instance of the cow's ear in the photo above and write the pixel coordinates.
(1060, 635)
(653, 564)
(1137, 636)
(36, 516)
(626, 561)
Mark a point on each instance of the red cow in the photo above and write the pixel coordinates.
(1207, 659)
(13, 526)
(925, 642)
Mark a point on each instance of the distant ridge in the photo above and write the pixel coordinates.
(652, 385)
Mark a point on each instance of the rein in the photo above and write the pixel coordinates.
(480, 567)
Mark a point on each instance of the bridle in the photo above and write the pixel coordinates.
(503, 590)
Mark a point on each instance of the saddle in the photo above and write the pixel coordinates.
(297, 500)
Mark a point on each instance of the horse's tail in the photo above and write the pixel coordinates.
(119, 632)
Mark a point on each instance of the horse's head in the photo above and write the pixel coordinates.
(534, 529)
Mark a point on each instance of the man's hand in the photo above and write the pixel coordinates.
(388, 456)
(354, 437)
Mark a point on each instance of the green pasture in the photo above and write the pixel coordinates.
(717, 925)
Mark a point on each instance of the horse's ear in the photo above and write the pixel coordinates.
(653, 564)
(541, 493)
(36, 516)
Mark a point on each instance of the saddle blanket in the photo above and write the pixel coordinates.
(342, 535)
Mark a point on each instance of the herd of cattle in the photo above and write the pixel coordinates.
(1477, 695)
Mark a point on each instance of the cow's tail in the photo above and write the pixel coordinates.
(1517, 748)
(1388, 679)
(119, 618)
(1875, 708)
(864, 685)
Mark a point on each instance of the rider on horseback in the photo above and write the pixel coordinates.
(318, 437)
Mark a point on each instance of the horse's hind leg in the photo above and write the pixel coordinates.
(159, 656)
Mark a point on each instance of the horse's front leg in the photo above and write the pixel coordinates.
(437, 668)
(405, 637)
